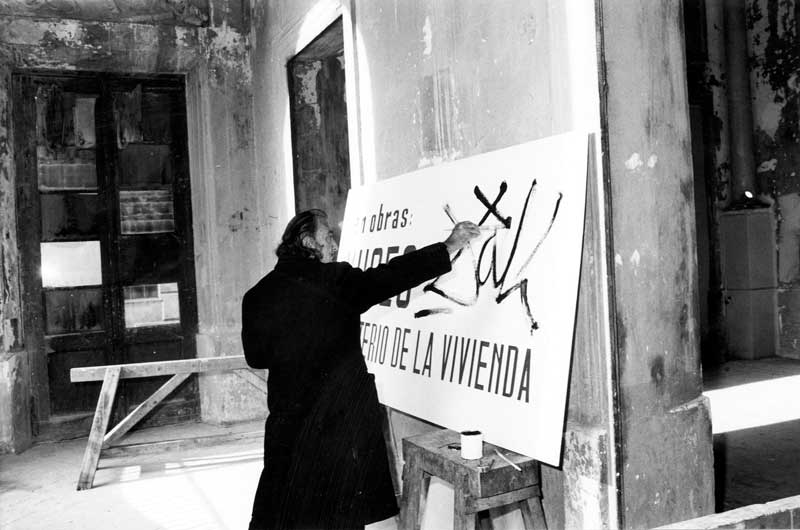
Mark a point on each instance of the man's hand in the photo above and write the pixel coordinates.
(462, 234)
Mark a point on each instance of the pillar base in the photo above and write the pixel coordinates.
(225, 397)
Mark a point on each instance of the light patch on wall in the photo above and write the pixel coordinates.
(67, 31)
(618, 259)
(427, 37)
(635, 258)
(652, 161)
(754, 404)
(306, 73)
(634, 162)
(230, 49)
(768, 165)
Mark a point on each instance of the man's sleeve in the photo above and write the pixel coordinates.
(254, 339)
(365, 288)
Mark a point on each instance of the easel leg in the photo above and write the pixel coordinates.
(99, 425)
(533, 514)
(413, 488)
(423, 496)
(462, 520)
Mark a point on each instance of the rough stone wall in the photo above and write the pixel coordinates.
(15, 427)
(226, 227)
(319, 137)
(664, 425)
(774, 43)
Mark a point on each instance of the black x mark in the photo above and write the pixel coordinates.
(492, 208)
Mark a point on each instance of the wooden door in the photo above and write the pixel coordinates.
(105, 222)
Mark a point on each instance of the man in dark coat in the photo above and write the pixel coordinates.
(325, 460)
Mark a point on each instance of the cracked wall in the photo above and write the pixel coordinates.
(774, 43)
(216, 59)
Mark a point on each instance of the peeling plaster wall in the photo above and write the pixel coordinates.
(226, 227)
(320, 137)
(665, 431)
(774, 43)
(439, 81)
(15, 427)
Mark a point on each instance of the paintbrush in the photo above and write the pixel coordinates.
(449, 212)
(484, 228)
(515, 466)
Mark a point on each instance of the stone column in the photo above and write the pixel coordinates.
(663, 430)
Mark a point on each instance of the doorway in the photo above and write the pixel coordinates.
(319, 126)
(106, 244)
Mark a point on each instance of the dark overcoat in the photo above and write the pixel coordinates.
(325, 460)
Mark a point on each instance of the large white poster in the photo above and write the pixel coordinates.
(486, 346)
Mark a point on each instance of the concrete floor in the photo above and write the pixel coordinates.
(201, 489)
(757, 428)
(209, 488)
(755, 411)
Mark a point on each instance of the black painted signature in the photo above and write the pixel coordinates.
(488, 253)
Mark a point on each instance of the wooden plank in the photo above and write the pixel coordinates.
(533, 514)
(411, 505)
(484, 503)
(463, 517)
(146, 406)
(182, 366)
(146, 448)
(99, 425)
(253, 378)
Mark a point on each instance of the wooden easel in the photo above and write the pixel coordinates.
(483, 484)
(100, 441)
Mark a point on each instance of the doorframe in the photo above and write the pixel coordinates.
(187, 51)
(29, 235)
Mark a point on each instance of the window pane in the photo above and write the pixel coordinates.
(146, 212)
(151, 305)
(143, 165)
(72, 310)
(65, 129)
(84, 121)
(71, 264)
(69, 215)
(66, 396)
(149, 259)
(66, 169)
(156, 125)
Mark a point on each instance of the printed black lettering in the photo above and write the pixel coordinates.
(383, 341)
(448, 340)
(396, 345)
(525, 378)
(481, 364)
(426, 365)
(463, 360)
(403, 348)
(416, 352)
(497, 357)
(508, 392)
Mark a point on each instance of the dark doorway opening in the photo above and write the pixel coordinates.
(319, 126)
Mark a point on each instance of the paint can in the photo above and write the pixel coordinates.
(471, 445)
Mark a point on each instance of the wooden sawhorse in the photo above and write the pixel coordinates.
(101, 441)
(478, 485)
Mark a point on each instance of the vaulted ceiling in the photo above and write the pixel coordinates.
(183, 12)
